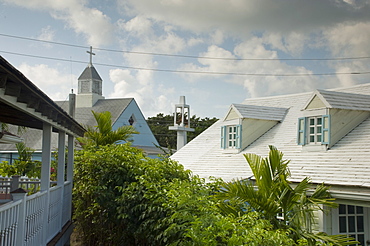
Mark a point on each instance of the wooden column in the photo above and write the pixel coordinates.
(61, 158)
(45, 176)
(46, 157)
(61, 172)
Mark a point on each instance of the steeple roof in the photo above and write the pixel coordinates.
(90, 73)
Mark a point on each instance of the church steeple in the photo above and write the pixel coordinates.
(89, 85)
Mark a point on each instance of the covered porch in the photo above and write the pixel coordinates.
(43, 217)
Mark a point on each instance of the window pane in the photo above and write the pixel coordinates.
(342, 209)
(361, 239)
(312, 130)
(318, 138)
(360, 223)
(312, 139)
(342, 224)
(351, 224)
(351, 209)
(319, 121)
(359, 209)
(312, 122)
(318, 129)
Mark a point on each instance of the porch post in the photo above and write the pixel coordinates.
(20, 194)
(61, 158)
(61, 172)
(46, 157)
(70, 160)
(45, 176)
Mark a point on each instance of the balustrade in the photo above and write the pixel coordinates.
(28, 227)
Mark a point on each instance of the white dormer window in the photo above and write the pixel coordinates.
(314, 130)
(231, 137)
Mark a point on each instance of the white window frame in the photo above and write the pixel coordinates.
(314, 131)
(317, 133)
(231, 133)
(231, 136)
(366, 219)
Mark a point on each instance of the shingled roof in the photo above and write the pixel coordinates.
(82, 115)
(345, 163)
(259, 112)
(89, 73)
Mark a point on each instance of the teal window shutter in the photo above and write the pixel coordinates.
(223, 137)
(325, 129)
(238, 142)
(301, 138)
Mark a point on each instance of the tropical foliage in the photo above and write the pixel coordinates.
(166, 138)
(103, 133)
(23, 166)
(122, 197)
(286, 206)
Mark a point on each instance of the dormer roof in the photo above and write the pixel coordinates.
(90, 73)
(244, 111)
(338, 100)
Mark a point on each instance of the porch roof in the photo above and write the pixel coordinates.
(22, 103)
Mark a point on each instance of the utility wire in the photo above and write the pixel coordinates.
(190, 56)
(195, 72)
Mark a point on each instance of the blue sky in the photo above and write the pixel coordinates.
(255, 36)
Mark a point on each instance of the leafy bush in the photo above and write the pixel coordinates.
(122, 197)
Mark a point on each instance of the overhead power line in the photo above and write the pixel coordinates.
(190, 56)
(194, 72)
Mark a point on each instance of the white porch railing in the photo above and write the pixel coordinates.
(9, 218)
(23, 222)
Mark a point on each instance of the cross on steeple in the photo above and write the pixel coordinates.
(91, 54)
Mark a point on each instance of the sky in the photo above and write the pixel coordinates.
(213, 52)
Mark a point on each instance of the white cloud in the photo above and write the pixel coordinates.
(240, 16)
(261, 81)
(139, 86)
(138, 26)
(54, 84)
(349, 39)
(47, 34)
(92, 23)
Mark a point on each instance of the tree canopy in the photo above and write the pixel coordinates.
(166, 138)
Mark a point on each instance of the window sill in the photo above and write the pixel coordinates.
(314, 148)
(231, 151)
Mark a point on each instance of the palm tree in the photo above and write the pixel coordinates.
(285, 205)
(103, 134)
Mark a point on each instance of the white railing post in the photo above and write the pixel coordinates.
(14, 184)
(20, 194)
(70, 162)
(70, 158)
(45, 176)
(61, 171)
